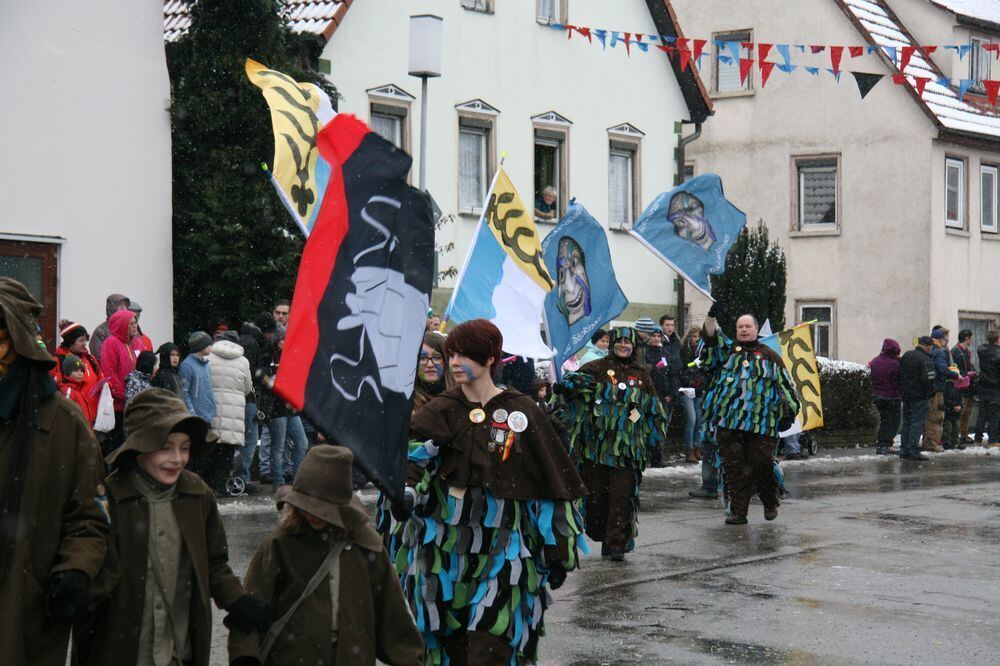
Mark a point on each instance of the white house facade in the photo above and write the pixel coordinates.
(886, 207)
(85, 182)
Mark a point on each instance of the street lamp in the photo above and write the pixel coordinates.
(425, 62)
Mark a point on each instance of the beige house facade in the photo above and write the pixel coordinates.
(886, 206)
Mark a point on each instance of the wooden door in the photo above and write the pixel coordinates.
(35, 266)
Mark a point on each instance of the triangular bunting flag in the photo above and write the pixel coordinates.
(928, 50)
(836, 53)
(905, 55)
(866, 82)
(817, 49)
(836, 75)
(586, 33)
(813, 70)
(765, 71)
(871, 49)
(898, 79)
(762, 51)
(725, 60)
(995, 48)
(921, 83)
(734, 49)
(669, 50)
(603, 36)
(891, 52)
(787, 69)
(628, 44)
(963, 50)
(684, 53)
(615, 38)
(643, 46)
(963, 87)
(856, 51)
(746, 64)
(783, 51)
(992, 88)
(943, 81)
(699, 48)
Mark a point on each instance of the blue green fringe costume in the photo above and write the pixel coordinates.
(600, 430)
(478, 563)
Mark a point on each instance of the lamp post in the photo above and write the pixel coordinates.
(425, 62)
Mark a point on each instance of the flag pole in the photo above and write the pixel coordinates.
(472, 247)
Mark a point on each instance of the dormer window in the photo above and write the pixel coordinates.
(979, 63)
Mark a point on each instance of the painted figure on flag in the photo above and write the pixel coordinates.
(572, 281)
(687, 214)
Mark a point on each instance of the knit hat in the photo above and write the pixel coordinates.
(623, 332)
(146, 362)
(938, 334)
(645, 325)
(71, 364)
(134, 306)
(231, 336)
(924, 340)
(324, 488)
(70, 332)
(198, 340)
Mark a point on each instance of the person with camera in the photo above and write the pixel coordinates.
(750, 399)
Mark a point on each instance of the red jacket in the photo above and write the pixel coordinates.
(91, 368)
(118, 355)
(76, 391)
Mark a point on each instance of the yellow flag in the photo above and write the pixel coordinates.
(800, 360)
(298, 112)
(513, 226)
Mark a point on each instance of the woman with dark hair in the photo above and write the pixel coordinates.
(166, 376)
(433, 374)
(53, 529)
(616, 419)
(485, 462)
(73, 340)
(597, 347)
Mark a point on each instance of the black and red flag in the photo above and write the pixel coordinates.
(361, 300)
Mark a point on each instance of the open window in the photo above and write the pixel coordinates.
(551, 167)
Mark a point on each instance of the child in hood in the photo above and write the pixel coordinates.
(139, 379)
(168, 547)
(327, 579)
(74, 387)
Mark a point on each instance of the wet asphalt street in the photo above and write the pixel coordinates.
(871, 560)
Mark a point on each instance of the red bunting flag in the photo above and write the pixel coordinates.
(836, 53)
(817, 49)
(898, 79)
(762, 51)
(904, 57)
(628, 44)
(569, 28)
(746, 64)
(992, 47)
(856, 51)
(586, 33)
(685, 54)
(921, 82)
(669, 50)
(765, 71)
(699, 46)
(992, 88)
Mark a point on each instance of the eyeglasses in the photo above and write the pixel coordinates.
(436, 359)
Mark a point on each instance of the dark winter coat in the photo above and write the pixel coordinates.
(692, 375)
(166, 376)
(962, 358)
(885, 371)
(952, 398)
(254, 350)
(916, 375)
(111, 637)
(60, 524)
(658, 361)
(518, 373)
(373, 618)
(942, 373)
(671, 350)
(989, 366)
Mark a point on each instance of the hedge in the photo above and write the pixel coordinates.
(847, 395)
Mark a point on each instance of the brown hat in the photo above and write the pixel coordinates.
(155, 413)
(21, 311)
(323, 487)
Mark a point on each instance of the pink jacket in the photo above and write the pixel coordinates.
(118, 355)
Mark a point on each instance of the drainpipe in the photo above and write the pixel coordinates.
(681, 146)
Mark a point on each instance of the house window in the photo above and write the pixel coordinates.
(689, 171)
(954, 213)
(389, 126)
(821, 318)
(817, 192)
(35, 266)
(979, 64)
(550, 11)
(624, 159)
(478, 5)
(551, 161)
(979, 323)
(389, 114)
(988, 198)
(727, 68)
(476, 154)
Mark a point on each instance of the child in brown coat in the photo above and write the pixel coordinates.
(327, 579)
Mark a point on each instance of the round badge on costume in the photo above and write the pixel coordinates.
(746, 364)
(477, 415)
(517, 421)
(622, 386)
(500, 415)
(611, 373)
(738, 348)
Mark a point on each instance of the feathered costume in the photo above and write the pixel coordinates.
(493, 516)
(614, 417)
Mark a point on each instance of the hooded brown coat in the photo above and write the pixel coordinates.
(61, 524)
(111, 637)
(373, 619)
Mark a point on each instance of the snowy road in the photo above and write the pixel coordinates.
(870, 561)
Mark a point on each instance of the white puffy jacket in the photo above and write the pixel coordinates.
(231, 383)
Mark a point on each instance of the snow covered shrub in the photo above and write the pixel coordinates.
(847, 395)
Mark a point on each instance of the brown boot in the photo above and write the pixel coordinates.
(691, 457)
(697, 454)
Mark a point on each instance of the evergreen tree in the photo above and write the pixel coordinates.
(753, 281)
(235, 248)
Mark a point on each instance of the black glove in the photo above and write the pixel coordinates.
(248, 613)
(245, 661)
(69, 592)
(401, 511)
(786, 422)
(560, 389)
(717, 310)
(557, 576)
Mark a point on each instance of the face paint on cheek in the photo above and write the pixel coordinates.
(469, 372)
(438, 368)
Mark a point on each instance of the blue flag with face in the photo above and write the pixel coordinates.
(692, 228)
(586, 295)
